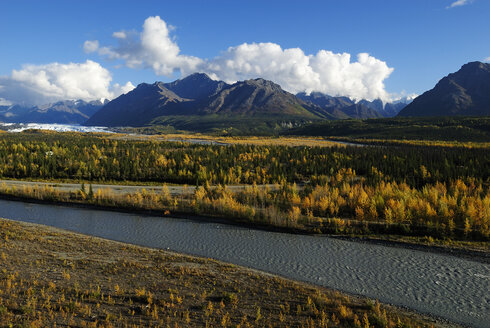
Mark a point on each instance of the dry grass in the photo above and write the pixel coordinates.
(250, 140)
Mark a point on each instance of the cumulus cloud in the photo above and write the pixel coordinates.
(152, 48)
(487, 60)
(40, 84)
(325, 71)
(458, 3)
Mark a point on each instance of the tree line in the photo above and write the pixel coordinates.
(47, 156)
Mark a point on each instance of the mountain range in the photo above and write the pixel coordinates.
(62, 112)
(344, 107)
(463, 93)
(197, 100)
(197, 95)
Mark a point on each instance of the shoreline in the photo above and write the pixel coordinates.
(384, 240)
(353, 298)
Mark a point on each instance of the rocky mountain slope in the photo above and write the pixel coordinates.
(465, 92)
(198, 95)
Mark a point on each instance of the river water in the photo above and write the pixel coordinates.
(445, 286)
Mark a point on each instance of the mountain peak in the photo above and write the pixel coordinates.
(257, 97)
(473, 70)
(476, 65)
(145, 85)
(465, 92)
(197, 76)
(158, 87)
(195, 86)
(263, 83)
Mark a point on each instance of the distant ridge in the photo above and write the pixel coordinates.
(344, 107)
(198, 99)
(465, 92)
(62, 112)
(199, 95)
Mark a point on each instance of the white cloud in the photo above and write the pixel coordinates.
(90, 46)
(118, 89)
(119, 35)
(5, 102)
(152, 48)
(458, 3)
(403, 97)
(294, 70)
(487, 60)
(40, 84)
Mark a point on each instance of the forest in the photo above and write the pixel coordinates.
(409, 189)
(455, 128)
(102, 158)
(402, 128)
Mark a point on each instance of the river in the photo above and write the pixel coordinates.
(449, 287)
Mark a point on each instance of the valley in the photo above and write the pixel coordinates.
(244, 164)
(328, 190)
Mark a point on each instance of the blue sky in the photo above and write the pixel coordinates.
(422, 41)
